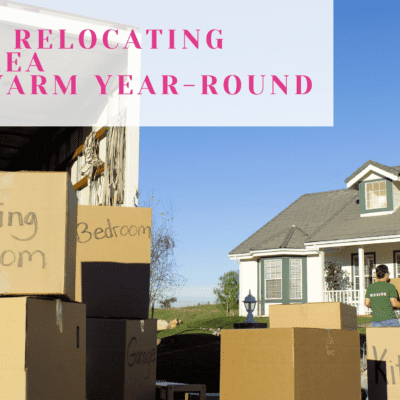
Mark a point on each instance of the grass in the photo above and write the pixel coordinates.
(208, 316)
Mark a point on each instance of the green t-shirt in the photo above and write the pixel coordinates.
(380, 294)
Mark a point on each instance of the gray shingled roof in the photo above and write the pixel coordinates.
(298, 222)
(392, 170)
(348, 224)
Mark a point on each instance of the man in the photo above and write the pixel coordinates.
(382, 297)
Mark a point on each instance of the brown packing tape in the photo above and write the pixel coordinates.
(329, 342)
(59, 315)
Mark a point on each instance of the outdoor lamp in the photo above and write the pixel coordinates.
(250, 304)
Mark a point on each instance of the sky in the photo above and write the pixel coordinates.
(225, 183)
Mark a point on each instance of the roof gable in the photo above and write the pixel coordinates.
(391, 173)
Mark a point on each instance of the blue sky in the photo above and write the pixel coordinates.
(225, 183)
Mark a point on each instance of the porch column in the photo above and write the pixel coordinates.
(361, 264)
(322, 264)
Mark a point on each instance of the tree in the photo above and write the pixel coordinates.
(164, 280)
(167, 302)
(227, 291)
(335, 277)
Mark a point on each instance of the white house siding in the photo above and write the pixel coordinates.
(372, 176)
(247, 281)
(396, 195)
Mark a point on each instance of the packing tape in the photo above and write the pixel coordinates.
(329, 341)
(4, 282)
(6, 183)
(142, 325)
(59, 314)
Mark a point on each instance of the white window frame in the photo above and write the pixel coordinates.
(265, 279)
(301, 278)
(397, 263)
(366, 195)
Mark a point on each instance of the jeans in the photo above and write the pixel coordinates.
(388, 322)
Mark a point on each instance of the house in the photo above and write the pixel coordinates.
(283, 262)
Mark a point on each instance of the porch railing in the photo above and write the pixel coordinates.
(351, 297)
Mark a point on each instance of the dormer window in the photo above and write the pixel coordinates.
(375, 195)
(378, 186)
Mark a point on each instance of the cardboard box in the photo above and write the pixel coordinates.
(112, 234)
(43, 349)
(383, 360)
(290, 363)
(38, 222)
(313, 315)
(396, 283)
(121, 359)
(116, 290)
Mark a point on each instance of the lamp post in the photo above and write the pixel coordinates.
(250, 304)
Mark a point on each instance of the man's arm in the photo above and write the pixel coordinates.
(368, 302)
(395, 302)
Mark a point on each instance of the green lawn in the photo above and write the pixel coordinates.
(208, 316)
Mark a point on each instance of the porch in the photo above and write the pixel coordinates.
(351, 258)
(351, 297)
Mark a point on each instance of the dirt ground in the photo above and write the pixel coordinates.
(195, 359)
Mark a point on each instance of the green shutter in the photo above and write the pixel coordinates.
(305, 296)
(258, 287)
(285, 281)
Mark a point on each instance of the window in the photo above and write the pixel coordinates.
(295, 281)
(369, 265)
(273, 279)
(397, 264)
(375, 195)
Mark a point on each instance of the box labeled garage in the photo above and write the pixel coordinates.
(121, 359)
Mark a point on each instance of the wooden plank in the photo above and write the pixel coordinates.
(101, 134)
(84, 181)
(81, 184)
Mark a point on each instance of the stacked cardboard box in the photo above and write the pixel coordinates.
(311, 351)
(113, 279)
(396, 283)
(74, 297)
(313, 315)
(383, 361)
(43, 332)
